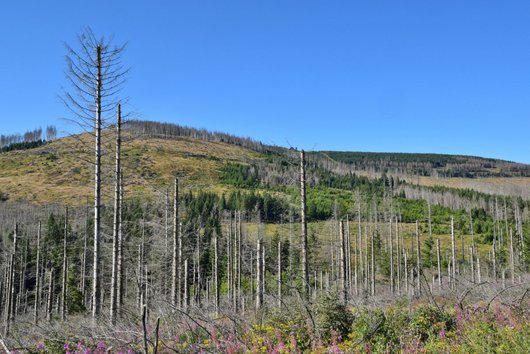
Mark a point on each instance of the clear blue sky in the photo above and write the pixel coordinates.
(445, 76)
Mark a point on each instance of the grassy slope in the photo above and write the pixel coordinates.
(62, 170)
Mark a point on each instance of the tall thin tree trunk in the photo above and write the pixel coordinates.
(216, 271)
(175, 254)
(229, 258)
(342, 257)
(37, 278)
(512, 258)
(303, 208)
(115, 281)
(259, 288)
(239, 274)
(65, 270)
(186, 290)
(453, 256)
(472, 263)
(279, 273)
(96, 281)
(392, 283)
(50, 296)
(439, 262)
(406, 274)
(398, 253)
(479, 272)
(11, 303)
(418, 260)
(430, 231)
(348, 256)
(119, 271)
(372, 258)
(84, 257)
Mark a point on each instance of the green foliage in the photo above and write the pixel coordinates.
(74, 296)
(22, 146)
(238, 175)
(332, 316)
(53, 240)
(427, 321)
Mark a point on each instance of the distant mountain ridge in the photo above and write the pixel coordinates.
(422, 164)
(429, 164)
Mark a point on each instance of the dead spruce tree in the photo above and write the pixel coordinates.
(116, 242)
(175, 253)
(303, 208)
(96, 74)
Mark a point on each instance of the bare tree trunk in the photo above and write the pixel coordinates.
(439, 263)
(37, 277)
(342, 256)
(406, 274)
(398, 252)
(96, 281)
(279, 274)
(418, 260)
(366, 264)
(186, 291)
(348, 256)
(50, 296)
(174, 267)
(216, 271)
(115, 281)
(305, 269)
(512, 258)
(291, 248)
(229, 259)
(479, 273)
(120, 282)
(167, 291)
(11, 303)
(453, 256)
(360, 243)
(179, 264)
(355, 266)
(65, 270)
(392, 283)
(84, 257)
(259, 288)
(372, 257)
(239, 265)
(494, 258)
(430, 231)
(471, 257)
(263, 273)
(140, 273)
(234, 264)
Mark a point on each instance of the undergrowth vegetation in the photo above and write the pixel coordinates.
(326, 326)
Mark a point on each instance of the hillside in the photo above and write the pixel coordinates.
(154, 153)
(435, 165)
(370, 234)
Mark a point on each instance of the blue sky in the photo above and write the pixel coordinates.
(406, 76)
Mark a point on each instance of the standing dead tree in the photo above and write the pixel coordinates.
(96, 74)
(116, 242)
(303, 208)
(175, 254)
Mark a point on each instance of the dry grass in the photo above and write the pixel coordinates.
(62, 171)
